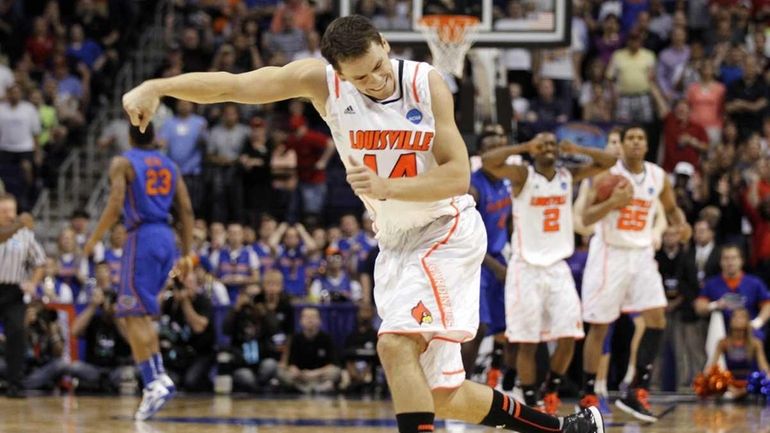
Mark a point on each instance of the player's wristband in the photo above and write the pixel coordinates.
(713, 305)
(757, 323)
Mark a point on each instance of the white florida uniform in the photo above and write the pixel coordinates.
(621, 272)
(427, 274)
(541, 302)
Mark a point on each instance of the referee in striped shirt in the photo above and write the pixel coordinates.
(22, 262)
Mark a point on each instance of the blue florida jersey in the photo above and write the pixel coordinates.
(494, 205)
(150, 195)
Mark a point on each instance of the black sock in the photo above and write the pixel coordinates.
(415, 422)
(554, 382)
(509, 379)
(509, 414)
(589, 380)
(497, 355)
(530, 395)
(645, 357)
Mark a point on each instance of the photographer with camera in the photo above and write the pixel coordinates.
(187, 335)
(252, 347)
(108, 356)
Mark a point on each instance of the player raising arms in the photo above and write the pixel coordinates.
(621, 273)
(393, 125)
(144, 186)
(541, 302)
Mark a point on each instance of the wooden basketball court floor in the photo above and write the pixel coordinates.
(225, 414)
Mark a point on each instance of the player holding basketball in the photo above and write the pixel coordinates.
(144, 186)
(541, 302)
(621, 273)
(393, 124)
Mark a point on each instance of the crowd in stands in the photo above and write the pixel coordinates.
(58, 60)
(280, 231)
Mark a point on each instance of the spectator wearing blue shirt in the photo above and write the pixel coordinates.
(183, 136)
(83, 50)
(262, 246)
(335, 284)
(293, 245)
(734, 289)
(236, 265)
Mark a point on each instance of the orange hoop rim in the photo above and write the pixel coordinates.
(438, 21)
(451, 29)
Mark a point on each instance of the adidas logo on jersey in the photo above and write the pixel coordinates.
(350, 110)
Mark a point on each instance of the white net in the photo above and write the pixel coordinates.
(449, 38)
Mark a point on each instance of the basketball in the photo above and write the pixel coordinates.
(606, 185)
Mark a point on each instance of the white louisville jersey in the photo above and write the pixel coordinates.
(394, 138)
(631, 226)
(542, 217)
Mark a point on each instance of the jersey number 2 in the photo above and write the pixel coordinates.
(158, 181)
(406, 166)
(551, 220)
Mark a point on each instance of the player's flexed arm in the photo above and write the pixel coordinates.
(601, 160)
(450, 178)
(494, 162)
(300, 79)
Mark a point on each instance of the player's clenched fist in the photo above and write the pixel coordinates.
(364, 181)
(140, 104)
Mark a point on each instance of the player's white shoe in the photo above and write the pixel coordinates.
(168, 383)
(154, 396)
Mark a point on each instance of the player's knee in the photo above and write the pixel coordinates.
(442, 401)
(598, 331)
(655, 319)
(527, 349)
(392, 347)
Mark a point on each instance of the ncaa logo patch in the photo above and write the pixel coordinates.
(651, 190)
(564, 186)
(414, 115)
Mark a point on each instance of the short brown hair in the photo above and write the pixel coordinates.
(348, 38)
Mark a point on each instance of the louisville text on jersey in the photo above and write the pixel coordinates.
(401, 139)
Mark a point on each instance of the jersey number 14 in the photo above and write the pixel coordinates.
(406, 165)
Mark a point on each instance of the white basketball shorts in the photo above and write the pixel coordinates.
(620, 280)
(541, 303)
(427, 282)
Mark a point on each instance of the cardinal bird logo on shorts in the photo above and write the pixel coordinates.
(421, 314)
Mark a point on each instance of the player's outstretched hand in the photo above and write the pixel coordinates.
(140, 104)
(364, 181)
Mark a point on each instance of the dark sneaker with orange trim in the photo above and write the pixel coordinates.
(588, 400)
(586, 421)
(636, 403)
(551, 403)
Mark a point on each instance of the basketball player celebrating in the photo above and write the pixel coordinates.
(393, 124)
(145, 185)
(493, 201)
(621, 273)
(541, 301)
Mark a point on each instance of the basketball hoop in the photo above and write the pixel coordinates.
(449, 38)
